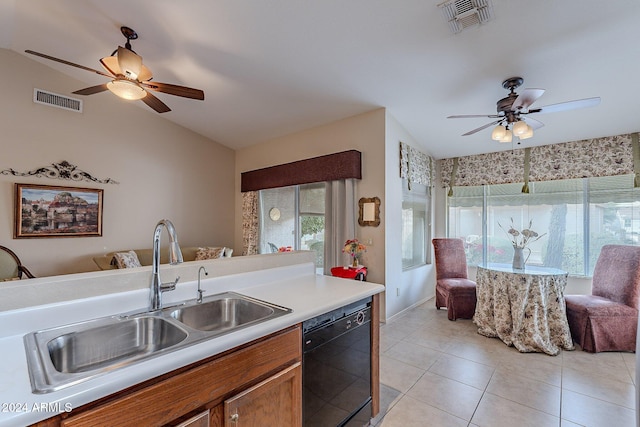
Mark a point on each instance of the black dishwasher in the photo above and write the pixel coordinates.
(336, 367)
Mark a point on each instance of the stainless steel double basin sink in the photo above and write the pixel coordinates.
(66, 355)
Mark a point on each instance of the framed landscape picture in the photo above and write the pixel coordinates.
(51, 211)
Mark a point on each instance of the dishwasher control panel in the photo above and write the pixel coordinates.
(331, 325)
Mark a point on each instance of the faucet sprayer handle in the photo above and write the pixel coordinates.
(169, 286)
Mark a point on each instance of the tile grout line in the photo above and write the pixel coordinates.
(481, 397)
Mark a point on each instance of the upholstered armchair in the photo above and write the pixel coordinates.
(11, 267)
(453, 288)
(607, 319)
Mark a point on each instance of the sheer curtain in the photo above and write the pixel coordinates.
(340, 220)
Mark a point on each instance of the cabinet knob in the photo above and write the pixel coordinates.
(234, 418)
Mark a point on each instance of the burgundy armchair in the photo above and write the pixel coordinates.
(607, 320)
(453, 289)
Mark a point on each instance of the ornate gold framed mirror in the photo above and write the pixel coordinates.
(369, 212)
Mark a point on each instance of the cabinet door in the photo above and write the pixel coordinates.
(276, 401)
(200, 420)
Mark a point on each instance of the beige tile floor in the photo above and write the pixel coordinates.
(435, 372)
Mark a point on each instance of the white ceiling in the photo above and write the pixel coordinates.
(271, 68)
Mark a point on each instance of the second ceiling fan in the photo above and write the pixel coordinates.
(513, 112)
(130, 79)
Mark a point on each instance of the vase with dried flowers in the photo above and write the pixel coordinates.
(354, 249)
(520, 240)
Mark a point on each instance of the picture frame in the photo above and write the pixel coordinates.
(369, 212)
(56, 211)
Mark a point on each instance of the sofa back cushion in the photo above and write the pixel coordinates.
(209, 252)
(126, 259)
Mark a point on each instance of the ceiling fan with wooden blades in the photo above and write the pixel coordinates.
(513, 112)
(130, 78)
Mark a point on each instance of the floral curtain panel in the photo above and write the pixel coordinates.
(415, 166)
(607, 156)
(250, 223)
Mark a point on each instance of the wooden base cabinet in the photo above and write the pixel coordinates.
(247, 386)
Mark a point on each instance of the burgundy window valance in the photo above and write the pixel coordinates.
(331, 167)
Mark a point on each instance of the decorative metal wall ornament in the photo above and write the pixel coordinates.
(62, 170)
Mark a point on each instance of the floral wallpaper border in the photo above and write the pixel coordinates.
(607, 156)
(415, 166)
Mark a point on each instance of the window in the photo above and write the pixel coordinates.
(311, 217)
(577, 216)
(415, 225)
(299, 224)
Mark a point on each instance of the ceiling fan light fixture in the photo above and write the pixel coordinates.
(528, 134)
(520, 128)
(130, 63)
(126, 89)
(508, 136)
(110, 63)
(498, 133)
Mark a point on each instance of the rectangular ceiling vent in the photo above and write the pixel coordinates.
(463, 14)
(55, 100)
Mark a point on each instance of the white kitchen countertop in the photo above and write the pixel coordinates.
(296, 287)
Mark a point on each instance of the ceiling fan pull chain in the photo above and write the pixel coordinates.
(527, 165)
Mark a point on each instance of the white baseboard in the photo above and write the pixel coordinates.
(400, 313)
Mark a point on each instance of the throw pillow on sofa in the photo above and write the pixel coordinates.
(126, 259)
(209, 253)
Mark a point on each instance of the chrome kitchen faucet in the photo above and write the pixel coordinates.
(175, 257)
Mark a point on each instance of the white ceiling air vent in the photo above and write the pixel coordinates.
(55, 100)
(462, 14)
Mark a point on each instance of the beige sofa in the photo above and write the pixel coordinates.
(145, 256)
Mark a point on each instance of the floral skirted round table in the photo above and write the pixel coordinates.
(524, 308)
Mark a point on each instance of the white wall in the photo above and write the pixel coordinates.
(365, 133)
(164, 170)
(404, 289)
